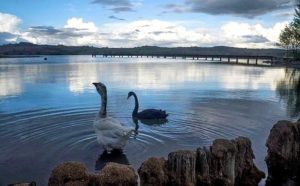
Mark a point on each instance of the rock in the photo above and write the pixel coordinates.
(114, 174)
(75, 174)
(182, 166)
(283, 158)
(203, 162)
(69, 173)
(225, 163)
(223, 153)
(246, 173)
(154, 172)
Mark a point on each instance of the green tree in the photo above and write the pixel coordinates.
(285, 38)
(296, 20)
(290, 36)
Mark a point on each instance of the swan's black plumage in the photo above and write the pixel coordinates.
(148, 113)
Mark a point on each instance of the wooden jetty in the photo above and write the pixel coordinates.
(234, 59)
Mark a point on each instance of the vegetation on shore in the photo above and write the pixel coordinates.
(33, 49)
(290, 35)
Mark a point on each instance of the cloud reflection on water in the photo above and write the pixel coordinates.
(167, 76)
(10, 82)
(144, 76)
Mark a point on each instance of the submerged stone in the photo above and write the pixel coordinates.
(115, 174)
(154, 172)
(70, 173)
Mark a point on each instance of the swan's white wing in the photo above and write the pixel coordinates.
(117, 132)
(111, 127)
(106, 123)
(110, 133)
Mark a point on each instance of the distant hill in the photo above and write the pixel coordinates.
(33, 49)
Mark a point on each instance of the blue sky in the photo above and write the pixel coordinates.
(129, 23)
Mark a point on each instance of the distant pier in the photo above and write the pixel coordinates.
(232, 59)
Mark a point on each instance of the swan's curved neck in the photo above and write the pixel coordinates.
(136, 107)
(102, 112)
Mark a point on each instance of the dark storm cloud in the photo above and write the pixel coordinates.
(48, 30)
(51, 31)
(244, 8)
(256, 39)
(116, 5)
(116, 18)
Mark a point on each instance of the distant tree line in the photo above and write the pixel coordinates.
(33, 49)
(290, 36)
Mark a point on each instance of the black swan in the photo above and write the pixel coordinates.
(148, 114)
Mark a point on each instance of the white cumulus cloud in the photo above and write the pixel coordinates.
(234, 34)
(78, 23)
(9, 23)
(155, 32)
(77, 31)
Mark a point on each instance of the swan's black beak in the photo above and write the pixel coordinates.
(95, 84)
(128, 97)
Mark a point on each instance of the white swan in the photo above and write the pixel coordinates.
(110, 133)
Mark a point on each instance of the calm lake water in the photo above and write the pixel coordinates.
(47, 109)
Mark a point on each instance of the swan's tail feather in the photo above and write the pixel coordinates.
(165, 113)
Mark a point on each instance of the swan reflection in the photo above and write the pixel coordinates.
(152, 122)
(116, 156)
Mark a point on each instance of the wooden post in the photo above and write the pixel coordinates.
(248, 61)
(256, 61)
(228, 59)
(212, 58)
(220, 58)
(206, 58)
(237, 60)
